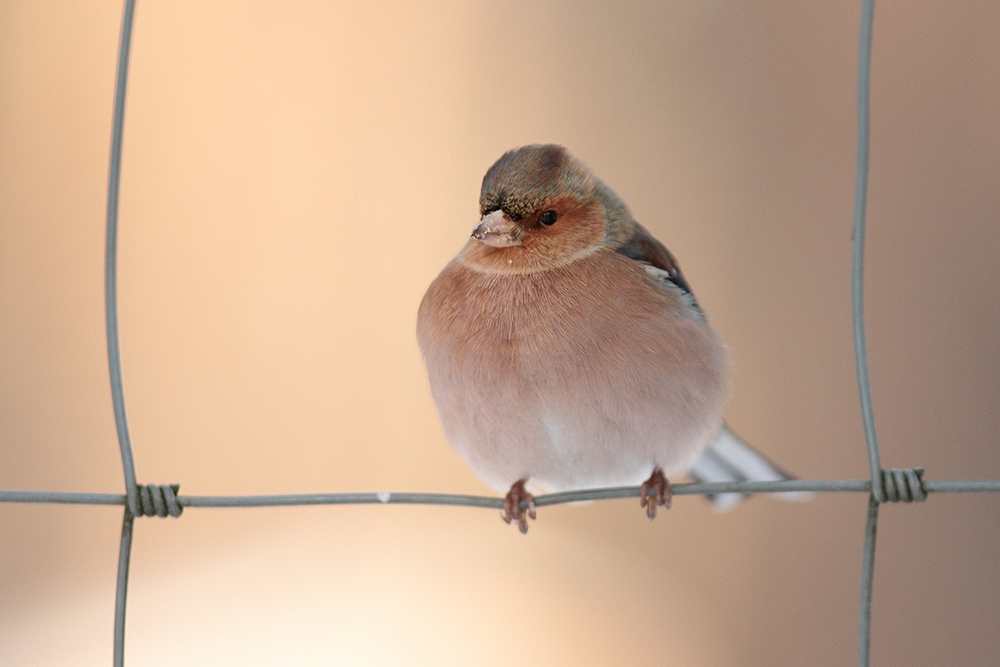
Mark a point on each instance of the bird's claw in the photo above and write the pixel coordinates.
(512, 506)
(661, 495)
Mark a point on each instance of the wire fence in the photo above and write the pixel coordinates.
(895, 485)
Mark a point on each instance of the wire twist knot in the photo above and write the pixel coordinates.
(159, 500)
(905, 485)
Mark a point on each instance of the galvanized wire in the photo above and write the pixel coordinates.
(453, 499)
(867, 575)
(858, 248)
(492, 502)
(878, 494)
(132, 507)
(111, 260)
(124, 555)
(883, 486)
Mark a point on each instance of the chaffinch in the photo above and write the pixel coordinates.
(564, 345)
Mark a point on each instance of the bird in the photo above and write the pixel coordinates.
(565, 350)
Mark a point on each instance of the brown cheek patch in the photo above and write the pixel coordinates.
(577, 228)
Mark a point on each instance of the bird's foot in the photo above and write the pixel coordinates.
(661, 495)
(512, 506)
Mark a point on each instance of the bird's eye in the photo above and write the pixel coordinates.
(548, 218)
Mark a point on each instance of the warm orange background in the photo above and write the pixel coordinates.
(295, 174)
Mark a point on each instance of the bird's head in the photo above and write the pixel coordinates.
(542, 208)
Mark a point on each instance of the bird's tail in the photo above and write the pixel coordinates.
(730, 459)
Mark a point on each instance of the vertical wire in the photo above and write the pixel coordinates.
(111, 320)
(111, 261)
(867, 574)
(124, 550)
(858, 253)
(860, 347)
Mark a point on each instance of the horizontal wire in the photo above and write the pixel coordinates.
(387, 498)
(62, 497)
(962, 486)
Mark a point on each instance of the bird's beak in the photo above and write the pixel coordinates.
(497, 230)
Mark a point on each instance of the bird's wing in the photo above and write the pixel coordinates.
(642, 247)
(730, 459)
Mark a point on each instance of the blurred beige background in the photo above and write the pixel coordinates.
(294, 177)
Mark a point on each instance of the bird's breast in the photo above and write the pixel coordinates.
(551, 368)
(598, 312)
